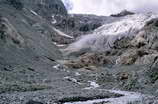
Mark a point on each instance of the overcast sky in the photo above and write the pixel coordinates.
(107, 7)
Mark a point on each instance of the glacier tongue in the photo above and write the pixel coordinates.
(104, 37)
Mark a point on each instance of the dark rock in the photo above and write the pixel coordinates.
(123, 43)
(47, 8)
(153, 22)
(16, 4)
(79, 98)
(123, 13)
(33, 102)
(77, 24)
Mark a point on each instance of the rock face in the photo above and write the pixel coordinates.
(77, 25)
(123, 13)
(44, 8)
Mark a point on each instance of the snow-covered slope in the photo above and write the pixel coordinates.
(104, 37)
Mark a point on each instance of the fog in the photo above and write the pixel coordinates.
(107, 7)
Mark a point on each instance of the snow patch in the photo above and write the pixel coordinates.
(56, 66)
(72, 80)
(93, 85)
(62, 34)
(77, 74)
(54, 21)
(59, 45)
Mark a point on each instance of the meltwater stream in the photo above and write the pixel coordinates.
(126, 99)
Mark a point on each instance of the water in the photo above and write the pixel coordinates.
(128, 97)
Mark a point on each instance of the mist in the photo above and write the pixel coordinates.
(107, 7)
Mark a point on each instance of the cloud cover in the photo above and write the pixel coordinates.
(107, 7)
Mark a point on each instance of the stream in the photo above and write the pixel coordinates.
(128, 98)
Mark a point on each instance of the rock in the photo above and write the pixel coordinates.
(146, 59)
(103, 102)
(152, 22)
(128, 58)
(16, 4)
(47, 8)
(123, 13)
(77, 25)
(150, 32)
(122, 43)
(123, 76)
(139, 40)
(155, 46)
(89, 60)
(33, 102)
(131, 56)
(91, 68)
(153, 74)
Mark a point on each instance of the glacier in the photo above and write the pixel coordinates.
(104, 37)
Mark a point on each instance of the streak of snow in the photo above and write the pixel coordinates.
(62, 34)
(59, 45)
(34, 12)
(94, 84)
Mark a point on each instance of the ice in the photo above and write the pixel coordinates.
(104, 37)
